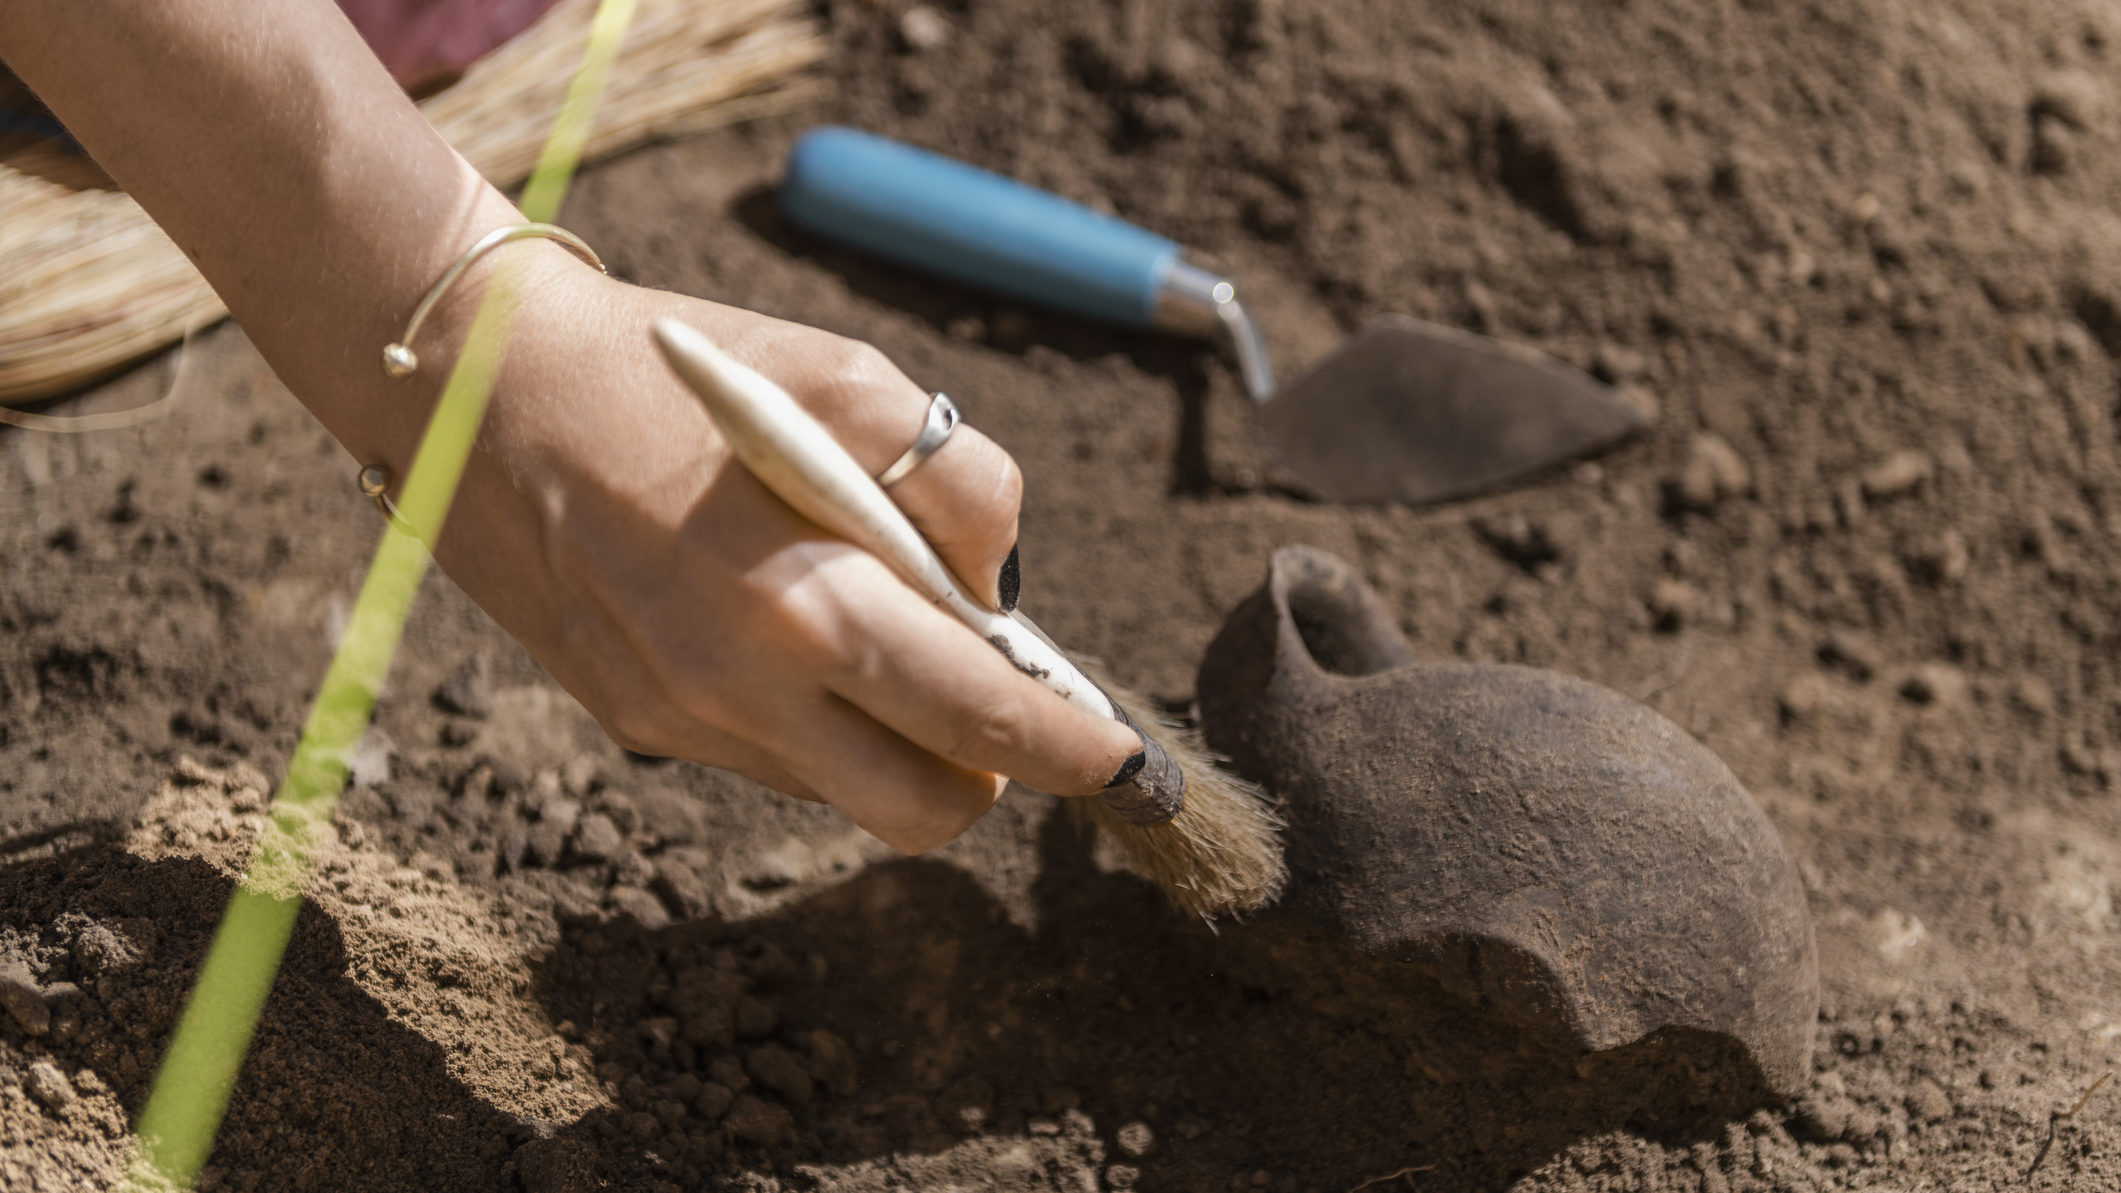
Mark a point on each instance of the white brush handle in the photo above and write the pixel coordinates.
(798, 459)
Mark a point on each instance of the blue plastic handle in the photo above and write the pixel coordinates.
(943, 216)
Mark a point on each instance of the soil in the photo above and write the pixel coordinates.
(1862, 258)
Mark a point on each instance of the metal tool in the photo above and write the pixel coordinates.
(1403, 411)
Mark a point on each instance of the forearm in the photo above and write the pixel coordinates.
(276, 151)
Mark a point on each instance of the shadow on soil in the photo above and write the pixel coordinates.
(1244, 1052)
(333, 1095)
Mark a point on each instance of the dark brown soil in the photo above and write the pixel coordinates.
(1863, 256)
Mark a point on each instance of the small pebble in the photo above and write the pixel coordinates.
(1849, 654)
(714, 1100)
(597, 838)
(632, 868)
(1934, 683)
(1674, 603)
(2032, 696)
(560, 812)
(545, 842)
(645, 909)
(2070, 97)
(777, 1069)
(1616, 365)
(23, 1001)
(967, 1106)
(1867, 1128)
(1802, 266)
(681, 887)
(1519, 540)
(50, 1086)
(98, 948)
(1642, 398)
(729, 1071)
(1928, 1101)
(1713, 471)
(1941, 560)
(580, 774)
(753, 1120)
(923, 28)
(1896, 475)
(2054, 146)
(1135, 1140)
(1804, 696)
(833, 1063)
(1823, 1115)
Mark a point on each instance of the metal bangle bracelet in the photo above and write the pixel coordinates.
(375, 485)
(399, 360)
(942, 419)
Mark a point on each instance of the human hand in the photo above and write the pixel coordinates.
(600, 520)
(605, 525)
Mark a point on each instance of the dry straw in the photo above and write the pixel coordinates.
(88, 283)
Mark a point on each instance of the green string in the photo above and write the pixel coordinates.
(190, 1095)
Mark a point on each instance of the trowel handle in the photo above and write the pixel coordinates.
(945, 217)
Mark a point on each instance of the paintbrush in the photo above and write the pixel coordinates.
(1207, 838)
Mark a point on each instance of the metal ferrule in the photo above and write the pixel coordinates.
(1194, 302)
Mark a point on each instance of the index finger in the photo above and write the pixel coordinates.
(926, 676)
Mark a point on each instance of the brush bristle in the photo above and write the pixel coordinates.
(1222, 854)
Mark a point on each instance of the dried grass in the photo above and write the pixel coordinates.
(88, 283)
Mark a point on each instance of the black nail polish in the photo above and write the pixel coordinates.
(1130, 768)
(1011, 583)
(1149, 788)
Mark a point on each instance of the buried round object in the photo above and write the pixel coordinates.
(1544, 847)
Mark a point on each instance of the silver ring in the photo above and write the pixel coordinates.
(942, 419)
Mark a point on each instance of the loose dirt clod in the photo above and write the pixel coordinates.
(49, 1086)
(1539, 845)
(21, 998)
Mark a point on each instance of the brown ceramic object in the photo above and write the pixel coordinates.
(1544, 847)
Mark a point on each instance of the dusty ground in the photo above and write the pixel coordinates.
(1862, 255)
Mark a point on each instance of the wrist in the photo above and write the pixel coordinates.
(379, 412)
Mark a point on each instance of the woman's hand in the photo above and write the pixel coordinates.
(600, 520)
(605, 525)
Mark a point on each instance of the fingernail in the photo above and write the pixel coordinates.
(1011, 583)
(1148, 788)
(1131, 767)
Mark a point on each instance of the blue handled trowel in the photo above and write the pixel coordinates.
(1403, 411)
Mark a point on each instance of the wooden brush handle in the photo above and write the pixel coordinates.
(798, 459)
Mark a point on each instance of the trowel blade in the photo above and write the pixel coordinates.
(1417, 412)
